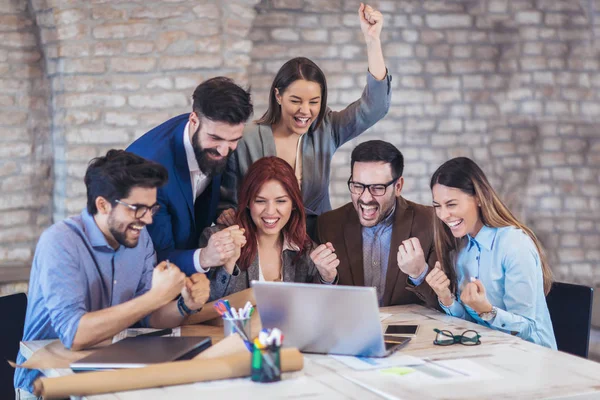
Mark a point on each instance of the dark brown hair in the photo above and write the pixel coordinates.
(293, 70)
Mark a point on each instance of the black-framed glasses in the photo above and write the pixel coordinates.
(140, 209)
(376, 189)
(447, 338)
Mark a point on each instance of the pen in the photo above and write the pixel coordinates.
(162, 332)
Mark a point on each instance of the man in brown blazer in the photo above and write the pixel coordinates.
(381, 239)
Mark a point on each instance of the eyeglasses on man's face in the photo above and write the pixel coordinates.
(140, 209)
(376, 189)
(447, 338)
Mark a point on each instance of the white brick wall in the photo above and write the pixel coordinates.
(512, 84)
(25, 142)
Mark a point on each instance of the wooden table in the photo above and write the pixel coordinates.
(522, 370)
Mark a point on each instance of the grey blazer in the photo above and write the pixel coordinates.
(222, 284)
(318, 146)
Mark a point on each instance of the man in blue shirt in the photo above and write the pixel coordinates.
(94, 274)
(375, 236)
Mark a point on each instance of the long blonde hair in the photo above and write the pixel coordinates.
(462, 173)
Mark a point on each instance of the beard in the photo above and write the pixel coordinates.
(208, 166)
(119, 232)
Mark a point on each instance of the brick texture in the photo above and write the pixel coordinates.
(512, 84)
(25, 137)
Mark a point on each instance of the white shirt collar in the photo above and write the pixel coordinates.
(289, 246)
(189, 150)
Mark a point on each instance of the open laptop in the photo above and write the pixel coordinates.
(325, 319)
(141, 351)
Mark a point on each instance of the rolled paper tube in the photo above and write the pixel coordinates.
(165, 374)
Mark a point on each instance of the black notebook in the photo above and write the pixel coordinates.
(137, 352)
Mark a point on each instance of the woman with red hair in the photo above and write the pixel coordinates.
(270, 242)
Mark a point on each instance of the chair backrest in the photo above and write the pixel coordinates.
(570, 309)
(12, 315)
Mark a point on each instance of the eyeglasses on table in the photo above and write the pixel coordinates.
(447, 338)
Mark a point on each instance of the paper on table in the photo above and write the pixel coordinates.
(133, 332)
(54, 355)
(373, 389)
(367, 363)
(388, 382)
(461, 369)
(383, 316)
(302, 387)
(399, 371)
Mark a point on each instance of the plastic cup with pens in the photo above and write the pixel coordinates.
(236, 321)
(266, 356)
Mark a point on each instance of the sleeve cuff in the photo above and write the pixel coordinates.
(387, 80)
(453, 309)
(197, 262)
(333, 282)
(501, 320)
(421, 278)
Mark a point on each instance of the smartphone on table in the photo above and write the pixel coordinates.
(401, 330)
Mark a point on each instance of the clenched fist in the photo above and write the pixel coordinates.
(167, 282)
(411, 258)
(326, 261)
(371, 22)
(222, 246)
(474, 296)
(196, 291)
(440, 284)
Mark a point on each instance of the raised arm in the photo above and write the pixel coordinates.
(374, 103)
(371, 22)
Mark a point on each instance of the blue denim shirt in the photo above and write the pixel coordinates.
(508, 264)
(76, 271)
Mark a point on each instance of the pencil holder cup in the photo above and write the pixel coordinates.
(266, 364)
(231, 326)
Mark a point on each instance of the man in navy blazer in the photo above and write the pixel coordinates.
(194, 148)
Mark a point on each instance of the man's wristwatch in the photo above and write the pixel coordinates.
(183, 309)
(489, 315)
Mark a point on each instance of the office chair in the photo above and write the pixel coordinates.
(570, 309)
(12, 315)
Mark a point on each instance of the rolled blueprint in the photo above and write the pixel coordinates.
(165, 374)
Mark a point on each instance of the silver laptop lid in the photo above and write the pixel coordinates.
(322, 318)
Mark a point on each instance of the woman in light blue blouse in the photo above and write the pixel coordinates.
(494, 263)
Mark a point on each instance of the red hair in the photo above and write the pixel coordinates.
(262, 171)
